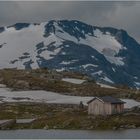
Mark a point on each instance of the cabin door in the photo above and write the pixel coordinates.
(97, 109)
(114, 109)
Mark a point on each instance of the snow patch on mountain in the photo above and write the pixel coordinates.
(25, 40)
(107, 79)
(103, 43)
(115, 60)
(105, 86)
(18, 42)
(89, 65)
(73, 80)
(97, 73)
(137, 83)
(113, 69)
(60, 70)
(63, 35)
(65, 63)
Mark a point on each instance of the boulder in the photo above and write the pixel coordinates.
(46, 127)
(22, 84)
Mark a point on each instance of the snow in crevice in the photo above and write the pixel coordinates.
(98, 72)
(105, 86)
(113, 69)
(135, 77)
(64, 35)
(52, 38)
(107, 79)
(65, 62)
(115, 60)
(60, 70)
(89, 65)
(49, 54)
(137, 84)
(73, 80)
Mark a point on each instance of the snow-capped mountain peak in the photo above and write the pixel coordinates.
(109, 55)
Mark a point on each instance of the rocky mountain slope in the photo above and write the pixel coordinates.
(107, 54)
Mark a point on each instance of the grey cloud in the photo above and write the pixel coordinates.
(123, 15)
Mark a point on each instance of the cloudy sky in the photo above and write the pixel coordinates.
(124, 15)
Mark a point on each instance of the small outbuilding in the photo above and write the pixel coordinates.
(106, 105)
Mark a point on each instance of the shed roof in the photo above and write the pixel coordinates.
(109, 99)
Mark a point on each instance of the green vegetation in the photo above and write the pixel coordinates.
(44, 79)
(51, 116)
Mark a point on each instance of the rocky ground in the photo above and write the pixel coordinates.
(44, 79)
(51, 116)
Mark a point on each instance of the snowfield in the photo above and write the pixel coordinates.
(73, 80)
(17, 42)
(105, 86)
(40, 96)
(6, 95)
(130, 103)
(106, 45)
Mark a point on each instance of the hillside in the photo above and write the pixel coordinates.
(62, 82)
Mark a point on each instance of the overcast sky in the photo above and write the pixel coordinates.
(124, 15)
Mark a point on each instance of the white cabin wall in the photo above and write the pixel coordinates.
(96, 107)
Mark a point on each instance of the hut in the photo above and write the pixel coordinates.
(106, 105)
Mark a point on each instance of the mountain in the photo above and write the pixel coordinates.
(107, 54)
